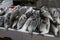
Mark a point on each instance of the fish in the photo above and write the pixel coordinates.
(33, 25)
(24, 17)
(7, 21)
(10, 16)
(56, 21)
(34, 22)
(21, 21)
(44, 27)
(45, 20)
(26, 25)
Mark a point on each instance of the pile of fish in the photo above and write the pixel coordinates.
(45, 21)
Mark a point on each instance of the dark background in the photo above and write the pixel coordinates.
(38, 3)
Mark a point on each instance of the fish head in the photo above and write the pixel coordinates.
(46, 13)
(55, 15)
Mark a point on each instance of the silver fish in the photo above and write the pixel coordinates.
(21, 21)
(26, 25)
(24, 17)
(34, 22)
(56, 20)
(10, 16)
(44, 27)
(7, 20)
(33, 25)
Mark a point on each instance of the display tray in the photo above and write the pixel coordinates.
(19, 35)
